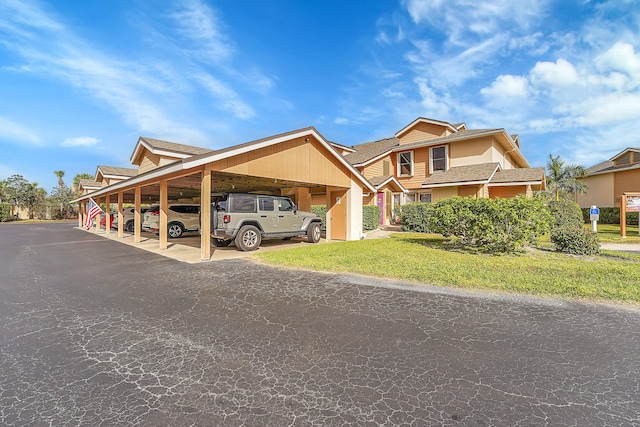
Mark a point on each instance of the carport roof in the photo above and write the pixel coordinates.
(210, 156)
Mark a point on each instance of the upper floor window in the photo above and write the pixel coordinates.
(405, 163)
(438, 159)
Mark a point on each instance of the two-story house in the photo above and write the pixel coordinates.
(429, 160)
(607, 181)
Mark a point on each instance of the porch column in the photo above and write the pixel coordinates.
(205, 215)
(163, 214)
(328, 221)
(354, 211)
(120, 215)
(80, 204)
(107, 214)
(137, 223)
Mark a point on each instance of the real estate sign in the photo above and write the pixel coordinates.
(629, 202)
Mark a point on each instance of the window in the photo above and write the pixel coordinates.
(242, 203)
(438, 159)
(285, 205)
(266, 204)
(405, 163)
(425, 197)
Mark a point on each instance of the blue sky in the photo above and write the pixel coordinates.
(80, 81)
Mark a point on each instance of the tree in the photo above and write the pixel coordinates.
(77, 178)
(564, 179)
(22, 193)
(59, 174)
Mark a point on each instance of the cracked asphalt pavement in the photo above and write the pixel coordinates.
(97, 333)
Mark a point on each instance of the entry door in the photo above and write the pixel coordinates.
(380, 203)
(338, 215)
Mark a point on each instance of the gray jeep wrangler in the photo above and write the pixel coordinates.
(246, 219)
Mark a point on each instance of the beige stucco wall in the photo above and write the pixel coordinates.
(626, 182)
(443, 193)
(422, 132)
(600, 192)
(463, 153)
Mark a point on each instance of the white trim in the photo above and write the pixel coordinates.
(428, 121)
(378, 157)
(391, 178)
(142, 143)
(399, 167)
(446, 157)
(455, 184)
(631, 167)
(513, 184)
(181, 165)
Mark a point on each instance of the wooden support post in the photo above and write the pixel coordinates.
(107, 214)
(162, 224)
(205, 215)
(623, 216)
(137, 220)
(79, 214)
(120, 215)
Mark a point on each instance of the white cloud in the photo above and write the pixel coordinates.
(559, 73)
(15, 132)
(81, 141)
(621, 58)
(199, 23)
(507, 86)
(229, 100)
(434, 104)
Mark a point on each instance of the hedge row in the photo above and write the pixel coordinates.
(5, 212)
(610, 216)
(370, 216)
(491, 225)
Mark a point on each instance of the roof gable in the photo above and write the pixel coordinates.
(166, 149)
(447, 127)
(114, 172)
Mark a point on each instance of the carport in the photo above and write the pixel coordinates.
(296, 164)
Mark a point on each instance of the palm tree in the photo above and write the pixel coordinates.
(59, 174)
(561, 178)
(78, 177)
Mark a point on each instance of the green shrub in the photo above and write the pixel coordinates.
(321, 211)
(414, 216)
(5, 212)
(370, 217)
(610, 215)
(568, 234)
(492, 225)
(577, 241)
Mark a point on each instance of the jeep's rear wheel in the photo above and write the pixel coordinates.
(175, 230)
(220, 243)
(248, 238)
(313, 233)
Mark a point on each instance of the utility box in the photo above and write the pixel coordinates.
(594, 216)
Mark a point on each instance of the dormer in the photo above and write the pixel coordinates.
(628, 157)
(107, 175)
(151, 153)
(423, 129)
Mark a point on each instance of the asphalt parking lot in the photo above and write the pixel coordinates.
(94, 332)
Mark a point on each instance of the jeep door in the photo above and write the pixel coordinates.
(288, 219)
(267, 214)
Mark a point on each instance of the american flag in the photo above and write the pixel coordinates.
(92, 211)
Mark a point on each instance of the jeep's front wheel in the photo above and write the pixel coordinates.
(313, 233)
(248, 238)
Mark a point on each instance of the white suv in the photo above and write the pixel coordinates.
(180, 218)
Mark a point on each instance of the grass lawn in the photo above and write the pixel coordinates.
(608, 233)
(426, 259)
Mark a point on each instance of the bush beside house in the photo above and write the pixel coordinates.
(370, 217)
(610, 215)
(5, 212)
(568, 233)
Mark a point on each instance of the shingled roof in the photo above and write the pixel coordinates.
(371, 150)
(114, 170)
(173, 146)
(518, 175)
(461, 175)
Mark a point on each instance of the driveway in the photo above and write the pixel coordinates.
(93, 332)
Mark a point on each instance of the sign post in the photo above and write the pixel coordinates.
(594, 216)
(629, 202)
